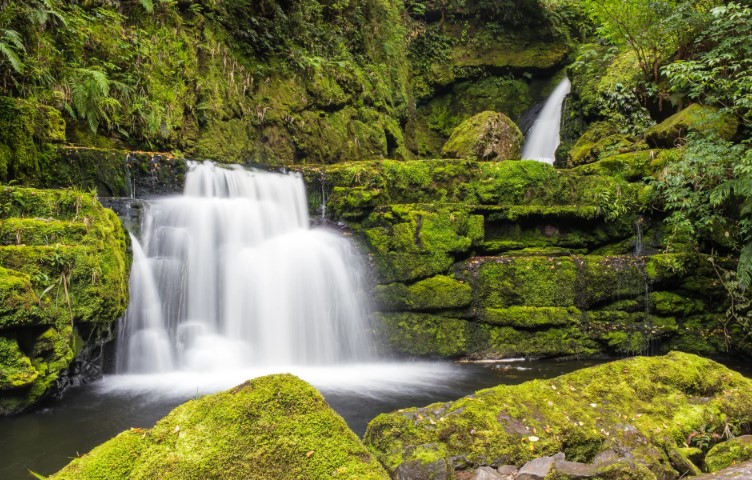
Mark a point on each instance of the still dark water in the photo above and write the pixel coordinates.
(45, 440)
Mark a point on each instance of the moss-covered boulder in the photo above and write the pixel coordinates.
(696, 117)
(485, 136)
(728, 453)
(63, 278)
(276, 427)
(626, 416)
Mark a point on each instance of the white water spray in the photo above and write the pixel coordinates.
(231, 276)
(543, 138)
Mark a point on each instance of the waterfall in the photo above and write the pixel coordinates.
(543, 137)
(229, 275)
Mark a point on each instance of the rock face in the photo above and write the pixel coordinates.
(516, 258)
(485, 136)
(63, 282)
(624, 419)
(276, 427)
(696, 118)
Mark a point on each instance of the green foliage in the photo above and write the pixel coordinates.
(11, 44)
(654, 31)
(706, 193)
(90, 98)
(721, 72)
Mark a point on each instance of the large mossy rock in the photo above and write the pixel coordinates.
(630, 416)
(271, 428)
(485, 136)
(697, 118)
(63, 283)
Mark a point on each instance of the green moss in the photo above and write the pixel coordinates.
(275, 427)
(492, 341)
(485, 136)
(530, 281)
(669, 303)
(228, 141)
(65, 267)
(631, 343)
(599, 140)
(525, 317)
(602, 280)
(696, 117)
(511, 55)
(425, 334)
(28, 134)
(18, 302)
(435, 293)
(17, 369)
(729, 453)
(641, 407)
(632, 166)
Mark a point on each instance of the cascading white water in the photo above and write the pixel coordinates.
(231, 276)
(543, 138)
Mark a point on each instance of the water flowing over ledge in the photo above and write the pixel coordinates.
(230, 276)
(543, 138)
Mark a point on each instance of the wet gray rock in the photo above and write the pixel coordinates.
(574, 470)
(538, 469)
(416, 470)
(487, 473)
(508, 470)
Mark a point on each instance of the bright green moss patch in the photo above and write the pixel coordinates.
(729, 453)
(633, 166)
(530, 281)
(276, 427)
(435, 293)
(640, 408)
(28, 134)
(669, 303)
(17, 299)
(17, 369)
(425, 334)
(525, 317)
(492, 341)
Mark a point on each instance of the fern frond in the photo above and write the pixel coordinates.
(744, 269)
(12, 57)
(14, 38)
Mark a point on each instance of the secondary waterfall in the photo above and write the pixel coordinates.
(229, 275)
(543, 138)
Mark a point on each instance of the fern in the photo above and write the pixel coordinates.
(744, 269)
(90, 97)
(43, 11)
(10, 43)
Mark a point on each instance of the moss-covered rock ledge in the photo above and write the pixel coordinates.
(642, 418)
(493, 259)
(271, 428)
(63, 282)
